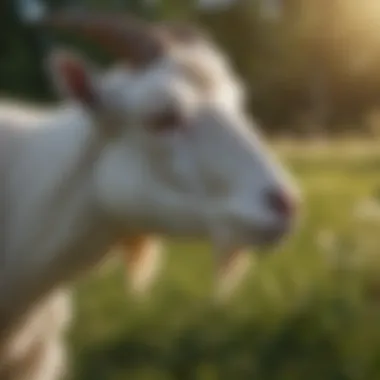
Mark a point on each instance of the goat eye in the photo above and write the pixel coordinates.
(165, 121)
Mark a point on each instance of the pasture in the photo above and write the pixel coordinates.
(310, 311)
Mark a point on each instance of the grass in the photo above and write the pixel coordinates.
(309, 311)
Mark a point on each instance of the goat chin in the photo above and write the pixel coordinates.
(144, 262)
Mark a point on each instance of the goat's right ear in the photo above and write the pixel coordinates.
(73, 78)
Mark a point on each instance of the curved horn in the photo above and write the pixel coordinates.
(122, 35)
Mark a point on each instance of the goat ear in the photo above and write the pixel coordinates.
(73, 78)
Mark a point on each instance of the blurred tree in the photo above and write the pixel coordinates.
(20, 74)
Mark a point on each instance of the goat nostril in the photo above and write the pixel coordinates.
(281, 203)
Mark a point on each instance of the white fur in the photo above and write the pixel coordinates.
(74, 181)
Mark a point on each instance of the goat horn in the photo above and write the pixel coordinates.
(124, 36)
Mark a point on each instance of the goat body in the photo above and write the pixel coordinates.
(48, 207)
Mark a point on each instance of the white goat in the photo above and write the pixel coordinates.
(161, 147)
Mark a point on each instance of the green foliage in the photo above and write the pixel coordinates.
(309, 311)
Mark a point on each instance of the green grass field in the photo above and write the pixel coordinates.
(309, 311)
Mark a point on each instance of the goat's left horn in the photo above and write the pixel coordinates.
(122, 35)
